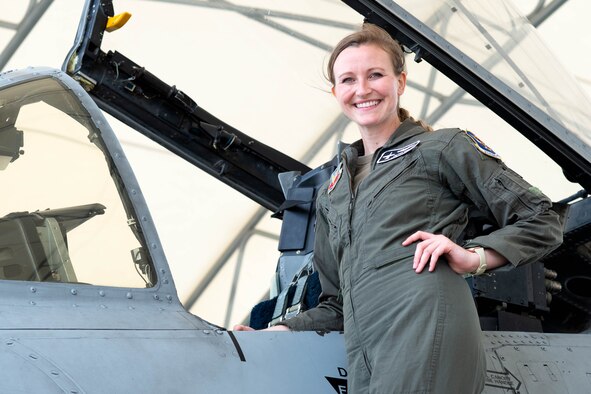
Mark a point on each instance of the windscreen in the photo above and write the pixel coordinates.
(61, 217)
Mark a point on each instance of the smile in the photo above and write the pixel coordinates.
(367, 104)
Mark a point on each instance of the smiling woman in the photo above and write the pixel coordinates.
(391, 245)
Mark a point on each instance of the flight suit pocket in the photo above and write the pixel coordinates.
(516, 192)
(391, 256)
(334, 224)
(389, 179)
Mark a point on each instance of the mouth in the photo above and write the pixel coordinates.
(367, 104)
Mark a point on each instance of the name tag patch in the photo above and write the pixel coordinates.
(394, 153)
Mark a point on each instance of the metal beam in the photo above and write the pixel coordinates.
(263, 16)
(23, 28)
(537, 18)
(339, 124)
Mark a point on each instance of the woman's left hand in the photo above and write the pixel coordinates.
(433, 246)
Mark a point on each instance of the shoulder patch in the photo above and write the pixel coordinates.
(394, 153)
(481, 146)
(335, 176)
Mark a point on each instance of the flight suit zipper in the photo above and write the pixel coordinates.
(351, 202)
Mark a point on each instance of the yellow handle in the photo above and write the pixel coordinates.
(117, 21)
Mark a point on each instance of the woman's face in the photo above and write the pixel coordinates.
(366, 87)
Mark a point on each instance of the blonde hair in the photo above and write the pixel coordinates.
(372, 34)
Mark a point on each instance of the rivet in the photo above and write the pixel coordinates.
(153, 246)
(163, 271)
(33, 290)
(74, 291)
(156, 297)
(101, 293)
(129, 295)
(169, 297)
(33, 303)
(10, 342)
(206, 332)
(131, 308)
(103, 306)
(219, 331)
(145, 219)
(133, 191)
(165, 281)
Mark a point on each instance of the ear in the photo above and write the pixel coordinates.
(401, 83)
(333, 92)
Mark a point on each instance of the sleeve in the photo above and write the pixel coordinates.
(328, 315)
(528, 226)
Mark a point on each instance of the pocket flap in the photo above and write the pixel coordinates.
(391, 256)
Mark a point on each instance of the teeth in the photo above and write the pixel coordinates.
(367, 104)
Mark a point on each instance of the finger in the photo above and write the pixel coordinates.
(419, 235)
(434, 258)
(424, 259)
(240, 327)
(428, 248)
(417, 256)
(420, 250)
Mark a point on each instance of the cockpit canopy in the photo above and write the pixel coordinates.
(62, 218)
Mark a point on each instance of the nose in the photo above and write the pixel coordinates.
(363, 88)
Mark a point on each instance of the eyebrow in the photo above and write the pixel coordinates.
(369, 70)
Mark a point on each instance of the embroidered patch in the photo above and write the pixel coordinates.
(481, 146)
(335, 176)
(392, 154)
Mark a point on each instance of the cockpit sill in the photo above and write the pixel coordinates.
(36, 305)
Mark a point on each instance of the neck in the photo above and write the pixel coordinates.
(375, 138)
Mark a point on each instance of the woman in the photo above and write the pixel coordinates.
(397, 206)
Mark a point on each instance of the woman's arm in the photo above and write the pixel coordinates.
(528, 228)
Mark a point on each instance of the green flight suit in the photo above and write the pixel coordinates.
(408, 332)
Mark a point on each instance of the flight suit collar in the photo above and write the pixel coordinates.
(405, 131)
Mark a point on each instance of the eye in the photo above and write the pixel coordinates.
(375, 75)
(347, 80)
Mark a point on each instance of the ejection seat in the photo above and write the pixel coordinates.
(296, 286)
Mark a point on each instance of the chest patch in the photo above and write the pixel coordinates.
(481, 146)
(335, 176)
(394, 153)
